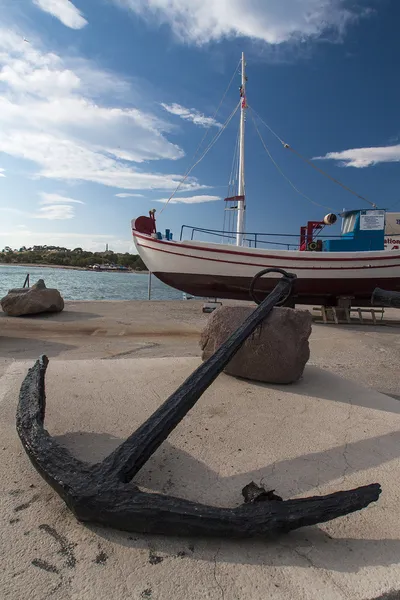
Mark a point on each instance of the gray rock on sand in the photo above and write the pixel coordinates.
(276, 352)
(33, 300)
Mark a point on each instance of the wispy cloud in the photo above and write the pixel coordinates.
(191, 114)
(364, 157)
(56, 207)
(63, 10)
(202, 21)
(190, 199)
(52, 212)
(55, 212)
(129, 195)
(52, 207)
(49, 116)
(2, 173)
(54, 198)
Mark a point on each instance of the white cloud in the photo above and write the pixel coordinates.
(129, 195)
(2, 173)
(52, 212)
(364, 157)
(63, 10)
(55, 212)
(48, 115)
(190, 199)
(272, 21)
(191, 114)
(65, 159)
(53, 207)
(54, 198)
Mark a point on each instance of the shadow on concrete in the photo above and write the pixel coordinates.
(90, 447)
(319, 383)
(172, 468)
(25, 348)
(175, 472)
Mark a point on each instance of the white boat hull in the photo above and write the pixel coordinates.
(225, 271)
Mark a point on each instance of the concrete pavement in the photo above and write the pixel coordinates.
(323, 434)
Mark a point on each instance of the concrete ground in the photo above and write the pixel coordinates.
(336, 429)
(106, 330)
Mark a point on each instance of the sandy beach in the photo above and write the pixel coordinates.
(111, 365)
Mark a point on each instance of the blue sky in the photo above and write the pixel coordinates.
(104, 102)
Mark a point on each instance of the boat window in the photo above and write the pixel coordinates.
(349, 223)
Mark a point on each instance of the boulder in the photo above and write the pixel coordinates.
(276, 352)
(33, 300)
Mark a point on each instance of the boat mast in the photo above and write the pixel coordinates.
(241, 187)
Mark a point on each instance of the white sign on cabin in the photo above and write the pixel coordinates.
(392, 231)
(372, 220)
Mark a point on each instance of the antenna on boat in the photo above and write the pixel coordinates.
(241, 184)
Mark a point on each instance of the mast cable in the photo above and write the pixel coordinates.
(234, 171)
(311, 164)
(231, 184)
(210, 145)
(280, 170)
(393, 205)
(205, 134)
(216, 112)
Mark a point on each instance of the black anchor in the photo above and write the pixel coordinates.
(104, 493)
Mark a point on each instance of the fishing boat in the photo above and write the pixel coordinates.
(329, 269)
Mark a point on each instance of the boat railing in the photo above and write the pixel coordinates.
(287, 241)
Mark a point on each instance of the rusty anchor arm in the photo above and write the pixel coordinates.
(104, 493)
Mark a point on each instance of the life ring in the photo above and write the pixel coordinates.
(312, 246)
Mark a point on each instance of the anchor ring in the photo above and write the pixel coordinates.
(256, 277)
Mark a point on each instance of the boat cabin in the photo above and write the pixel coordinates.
(362, 230)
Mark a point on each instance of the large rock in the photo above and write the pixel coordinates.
(276, 352)
(30, 301)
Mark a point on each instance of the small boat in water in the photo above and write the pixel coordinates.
(351, 265)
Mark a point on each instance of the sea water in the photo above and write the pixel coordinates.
(88, 285)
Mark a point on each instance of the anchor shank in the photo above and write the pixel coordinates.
(130, 456)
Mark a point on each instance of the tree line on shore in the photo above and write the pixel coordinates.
(54, 255)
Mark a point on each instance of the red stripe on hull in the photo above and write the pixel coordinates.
(306, 291)
(322, 256)
(265, 265)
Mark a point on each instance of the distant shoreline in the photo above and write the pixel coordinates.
(69, 268)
